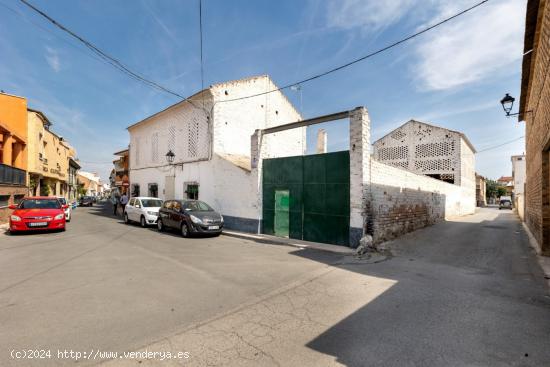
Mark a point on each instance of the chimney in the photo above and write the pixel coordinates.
(321, 141)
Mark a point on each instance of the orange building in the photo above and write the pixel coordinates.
(13, 152)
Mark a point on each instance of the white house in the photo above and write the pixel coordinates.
(210, 138)
(519, 172)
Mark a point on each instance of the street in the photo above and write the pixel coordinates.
(466, 292)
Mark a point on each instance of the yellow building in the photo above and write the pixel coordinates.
(13, 151)
(48, 157)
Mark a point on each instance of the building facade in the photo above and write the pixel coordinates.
(120, 176)
(72, 181)
(13, 152)
(90, 183)
(518, 175)
(534, 109)
(429, 150)
(48, 158)
(481, 191)
(210, 139)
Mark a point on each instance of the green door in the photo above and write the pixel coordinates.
(282, 204)
(307, 197)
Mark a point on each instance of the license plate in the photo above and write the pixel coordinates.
(38, 224)
(213, 227)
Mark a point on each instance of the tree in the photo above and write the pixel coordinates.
(491, 190)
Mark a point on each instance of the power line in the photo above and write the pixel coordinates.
(403, 40)
(106, 57)
(500, 145)
(200, 33)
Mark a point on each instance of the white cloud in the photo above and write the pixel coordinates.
(368, 16)
(52, 57)
(476, 46)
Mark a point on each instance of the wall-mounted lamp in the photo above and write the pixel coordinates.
(170, 157)
(507, 103)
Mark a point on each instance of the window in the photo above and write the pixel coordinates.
(151, 203)
(177, 206)
(168, 204)
(153, 190)
(131, 202)
(197, 206)
(192, 191)
(18, 198)
(135, 190)
(4, 200)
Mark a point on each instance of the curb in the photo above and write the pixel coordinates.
(272, 240)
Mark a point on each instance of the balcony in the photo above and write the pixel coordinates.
(12, 176)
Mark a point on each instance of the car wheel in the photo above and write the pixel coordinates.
(142, 222)
(185, 230)
(126, 220)
(160, 226)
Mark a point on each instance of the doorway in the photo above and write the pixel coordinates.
(281, 220)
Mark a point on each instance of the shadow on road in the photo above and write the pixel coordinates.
(467, 292)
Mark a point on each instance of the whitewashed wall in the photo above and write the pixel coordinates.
(236, 121)
(401, 201)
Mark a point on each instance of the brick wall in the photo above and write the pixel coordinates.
(537, 122)
(401, 201)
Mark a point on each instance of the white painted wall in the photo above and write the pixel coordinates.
(519, 173)
(228, 188)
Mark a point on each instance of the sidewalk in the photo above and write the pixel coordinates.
(544, 261)
(273, 240)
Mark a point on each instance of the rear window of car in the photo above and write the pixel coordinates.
(151, 203)
(40, 204)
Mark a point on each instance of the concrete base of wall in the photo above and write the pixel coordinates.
(10, 191)
(355, 235)
(241, 224)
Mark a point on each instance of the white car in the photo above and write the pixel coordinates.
(68, 211)
(144, 210)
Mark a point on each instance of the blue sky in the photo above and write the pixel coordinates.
(453, 76)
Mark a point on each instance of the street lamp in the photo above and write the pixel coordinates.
(507, 103)
(170, 156)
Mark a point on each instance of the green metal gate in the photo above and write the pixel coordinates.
(317, 197)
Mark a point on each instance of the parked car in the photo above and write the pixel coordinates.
(505, 204)
(189, 216)
(37, 213)
(68, 209)
(86, 201)
(144, 210)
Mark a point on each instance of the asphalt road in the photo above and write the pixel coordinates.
(462, 293)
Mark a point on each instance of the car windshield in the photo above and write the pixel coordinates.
(151, 203)
(40, 204)
(62, 201)
(197, 206)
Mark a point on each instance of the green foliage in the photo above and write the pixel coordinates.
(491, 189)
(494, 190)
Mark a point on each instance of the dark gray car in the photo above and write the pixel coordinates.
(189, 217)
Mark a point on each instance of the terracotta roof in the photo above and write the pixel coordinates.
(505, 178)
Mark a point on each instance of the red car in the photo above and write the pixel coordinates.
(37, 213)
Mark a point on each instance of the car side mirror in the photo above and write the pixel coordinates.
(13, 206)
(65, 206)
(138, 206)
